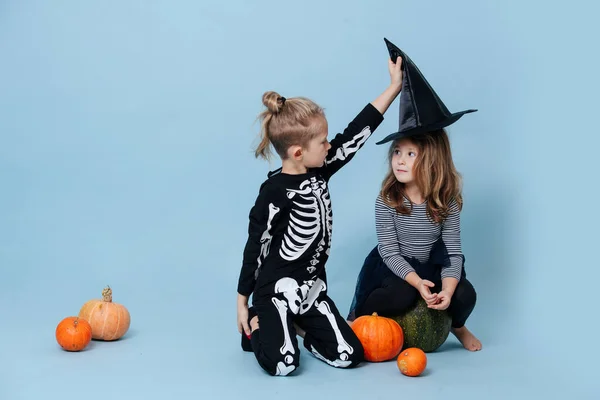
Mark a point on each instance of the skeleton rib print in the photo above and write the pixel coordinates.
(314, 205)
(310, 218)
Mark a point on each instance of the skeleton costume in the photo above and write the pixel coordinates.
(289, 238)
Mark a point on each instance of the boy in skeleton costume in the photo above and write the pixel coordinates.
(289, 235)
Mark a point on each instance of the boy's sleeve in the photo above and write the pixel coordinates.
(263, 217)
(345, 145)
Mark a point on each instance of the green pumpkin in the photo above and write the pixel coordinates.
(423, 327)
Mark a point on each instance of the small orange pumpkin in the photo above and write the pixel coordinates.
(109, 321)
(382, 338)
(412, 361)
(73, 333)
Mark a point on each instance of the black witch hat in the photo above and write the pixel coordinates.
(421, 110)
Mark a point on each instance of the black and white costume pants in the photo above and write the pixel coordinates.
(328, 335)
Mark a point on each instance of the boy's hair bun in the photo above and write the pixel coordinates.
(273, 101)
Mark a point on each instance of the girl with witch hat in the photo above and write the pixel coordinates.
(417, 214)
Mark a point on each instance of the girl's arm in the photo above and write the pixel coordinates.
(449, 285)
(451, 273)
(388, 243)
(390, 251)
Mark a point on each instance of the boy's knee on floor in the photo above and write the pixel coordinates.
(281, 365)
(356, 356)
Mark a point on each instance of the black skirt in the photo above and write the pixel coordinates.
(374, 271)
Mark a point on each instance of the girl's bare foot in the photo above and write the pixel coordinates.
(468, 340)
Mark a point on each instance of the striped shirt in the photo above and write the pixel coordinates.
(414, 235)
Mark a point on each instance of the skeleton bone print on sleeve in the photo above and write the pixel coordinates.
(266, 238)
(344, 146)
(350, 147)
(310, 219)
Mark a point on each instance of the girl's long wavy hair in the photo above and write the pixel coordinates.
(435, 176)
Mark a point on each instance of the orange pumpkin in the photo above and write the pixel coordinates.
(382, 338)
(73, 333)
(109, 321)
(412, 361)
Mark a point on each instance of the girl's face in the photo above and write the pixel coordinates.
(403, 159)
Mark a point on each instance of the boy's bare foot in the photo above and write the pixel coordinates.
(254, 323)
(468, 340)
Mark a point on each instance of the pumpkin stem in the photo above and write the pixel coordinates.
(75, 322)
(374, 314)
(107, 294)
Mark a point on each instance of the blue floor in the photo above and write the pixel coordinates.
(177, 347)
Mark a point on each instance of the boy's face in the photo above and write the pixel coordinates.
(316, 152)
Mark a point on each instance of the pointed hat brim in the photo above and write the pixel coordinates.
(425, 129)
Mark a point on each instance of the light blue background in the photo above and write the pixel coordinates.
(126, 138)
